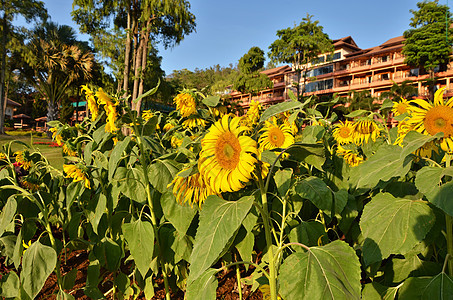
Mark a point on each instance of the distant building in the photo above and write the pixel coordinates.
(11, 107)
(349, 69)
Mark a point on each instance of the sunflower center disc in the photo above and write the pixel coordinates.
(345, 132)
(277, 137)
(227, 151)
(439, 119)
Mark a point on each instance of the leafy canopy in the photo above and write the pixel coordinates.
(428, 43)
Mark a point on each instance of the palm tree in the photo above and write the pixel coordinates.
(54, 60)
(404, 90)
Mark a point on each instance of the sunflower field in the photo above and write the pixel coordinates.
(300, 204)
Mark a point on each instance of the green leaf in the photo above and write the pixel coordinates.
(428, 182)
(387, 104)
(204, 287)
(433, 288)
(357, 113)
(161, 173)
(7, 215)
(328, 272)
(385, 164)
(313, 134)
(69, 279)
(38, 263)
(62, 295)
(415, 140)
(180, 216)
(313, 154)
(219, 220)
(279, 108)
(211, 101)
(393, 226)
(283, 180)
(401, 268)
(95, 209)
(315, 190)
(112, 253)
(376, 291)
(117, 155)
(148, 93)
(139, 236)
(10, 287)
(310, 234)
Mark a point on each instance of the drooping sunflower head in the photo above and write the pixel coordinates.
(168, 126)
(23, 158)
(343, 132)
(350, 157)
(194, 122)
(401, 107)
(3, 156)
(91, 101)
(69, 149)
(110, 110)
(219, 111)
(253, 113)
(227, 157)
(431, 118)
(274, 136)
(185, 104)
(77, 172)
(364, 129)
(191, 189)
(30, 182)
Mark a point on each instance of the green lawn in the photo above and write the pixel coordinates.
(53, 154)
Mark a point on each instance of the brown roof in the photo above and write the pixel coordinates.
(277, 70)
(391, 44)
(345, 42)
(12, 103)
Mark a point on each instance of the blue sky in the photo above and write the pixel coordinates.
(226, 30)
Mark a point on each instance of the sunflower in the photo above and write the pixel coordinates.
(186, 104)
(110, 110)
(343, 132)
(175, 141)
(77, 173)
(226, 158)
(432, 118)
(69, 149)
(253, 113)
(23, 158)
(194, 122)
(364, 129)
(401, 107)
(57, 137)
(266, 291)
(30, 183)
(191, 189)
(353, 159)
(91, 101)
(168, 126)
(219, 111)
(275, 136)
(3, 156)
(403, 129)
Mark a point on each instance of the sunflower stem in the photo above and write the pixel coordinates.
(270, 251)
(449, 227)
(238, 276)
(144, 164)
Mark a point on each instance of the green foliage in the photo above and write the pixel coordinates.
(428, 44)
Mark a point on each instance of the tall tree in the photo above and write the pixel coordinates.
(299, 46)
(250, 80)
(52, 61)
(31, 10)
(428, 43)
(144, 21)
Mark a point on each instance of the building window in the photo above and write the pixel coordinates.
(413, 72)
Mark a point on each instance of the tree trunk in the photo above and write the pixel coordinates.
(127, 52)
(144, 60)
(52, 113)
(2, 75)
(137, 67)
